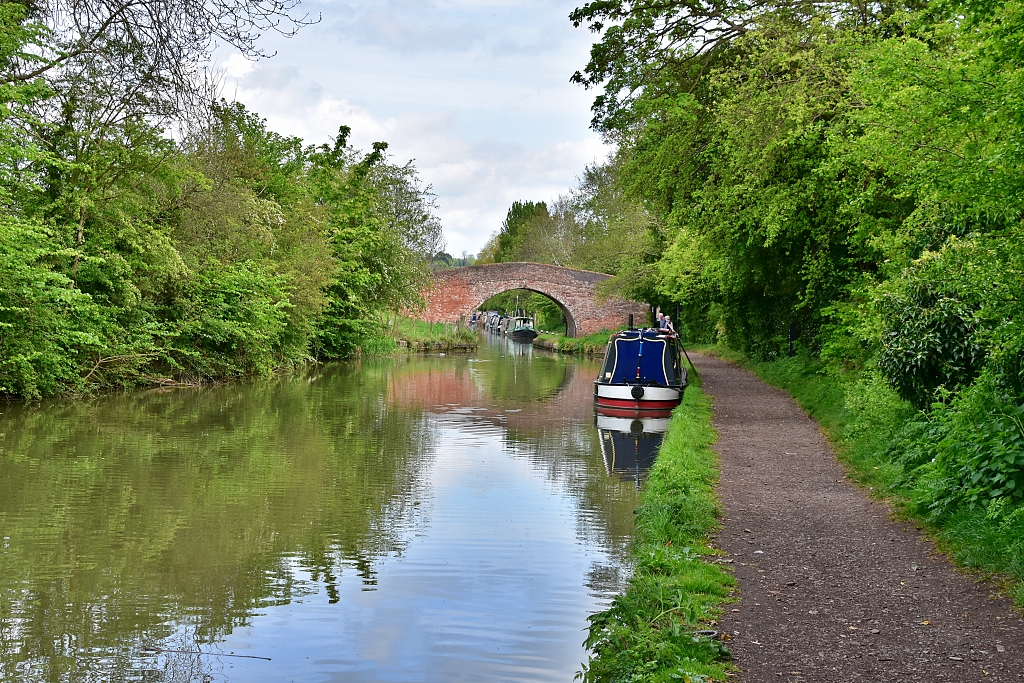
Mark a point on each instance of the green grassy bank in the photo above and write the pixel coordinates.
(580, 346)
(651, 632)
(893, 451)
(419, 335)
(385, 337)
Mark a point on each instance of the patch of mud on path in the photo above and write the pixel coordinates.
(832, 588)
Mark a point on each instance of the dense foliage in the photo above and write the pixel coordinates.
(130, 256)
(849, 174)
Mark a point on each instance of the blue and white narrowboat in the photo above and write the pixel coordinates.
(642, 374)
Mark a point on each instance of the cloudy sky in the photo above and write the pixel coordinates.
(476, 91)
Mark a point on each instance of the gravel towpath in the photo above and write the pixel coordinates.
(832, 588)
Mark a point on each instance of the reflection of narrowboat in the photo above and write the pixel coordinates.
(630, 445)
(642, 374)
(521, 328)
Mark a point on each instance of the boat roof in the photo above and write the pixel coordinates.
(645, 333)
(640, 356)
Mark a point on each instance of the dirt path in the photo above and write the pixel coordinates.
(832, 588)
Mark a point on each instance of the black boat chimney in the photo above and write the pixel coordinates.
(630, 321)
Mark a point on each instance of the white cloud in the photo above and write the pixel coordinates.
(237, 66)
(476, 92)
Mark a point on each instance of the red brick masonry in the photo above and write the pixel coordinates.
(458, 292)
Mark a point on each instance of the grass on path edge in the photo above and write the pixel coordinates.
(650, 632)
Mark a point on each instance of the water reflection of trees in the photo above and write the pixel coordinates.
(126, 518)
(173, 517)
(499, 378)
(543, 406)
(524, 376)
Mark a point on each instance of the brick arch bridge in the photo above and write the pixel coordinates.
(457, 292)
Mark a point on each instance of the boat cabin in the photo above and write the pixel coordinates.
(643, 357)
(521, 328)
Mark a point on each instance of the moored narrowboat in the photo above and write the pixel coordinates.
(642, 374)
(520, 328)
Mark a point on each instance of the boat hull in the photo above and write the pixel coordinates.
(621, 398)
(522, 335)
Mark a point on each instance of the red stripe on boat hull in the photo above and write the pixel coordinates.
(605, 402)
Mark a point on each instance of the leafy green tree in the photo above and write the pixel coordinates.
(650, 49)
(594, 226)
(46, 324)
(514, 227)
(380, 224)
(752, 237)
(852, 173)
(235, 250)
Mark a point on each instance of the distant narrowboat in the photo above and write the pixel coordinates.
(521, 328)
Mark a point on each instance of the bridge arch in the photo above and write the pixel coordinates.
(457, 292)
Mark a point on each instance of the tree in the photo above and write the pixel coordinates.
(226, 250)
(509, 238)
(653, 48)
(158, 48)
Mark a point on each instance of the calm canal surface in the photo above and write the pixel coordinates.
(422, 518)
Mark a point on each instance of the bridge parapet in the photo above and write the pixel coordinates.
(457, 292)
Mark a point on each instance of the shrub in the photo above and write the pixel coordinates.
(47, 326)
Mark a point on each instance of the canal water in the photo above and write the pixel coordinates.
(421, 518)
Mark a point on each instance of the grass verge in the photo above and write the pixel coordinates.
(580, 346)
(867, 426)
(652, 631)
(419, 334)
